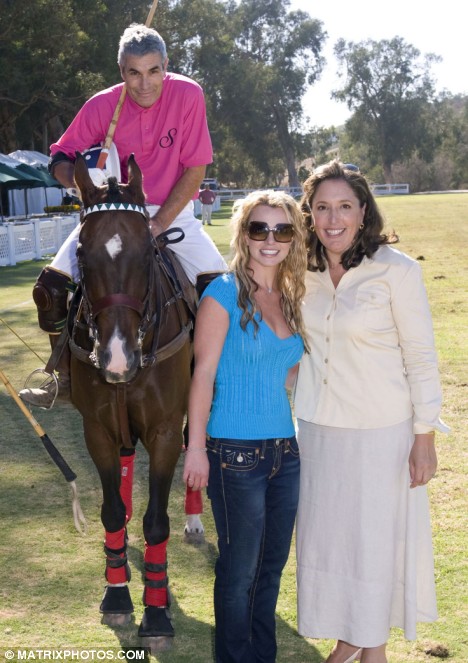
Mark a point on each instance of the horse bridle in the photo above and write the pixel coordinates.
(142, 307)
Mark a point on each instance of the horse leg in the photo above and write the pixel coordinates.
(156, 592)
(116, 604)
(156, 621)
(194, 532)
(117, 599)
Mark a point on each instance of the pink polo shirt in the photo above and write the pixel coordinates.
(166, 138)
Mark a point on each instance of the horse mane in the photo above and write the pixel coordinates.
(114, 193)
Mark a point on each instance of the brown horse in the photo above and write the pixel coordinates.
(130, 376)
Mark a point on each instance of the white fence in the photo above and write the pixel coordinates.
(34, 238)
(389, 189)
(234, 194)
(296, 192)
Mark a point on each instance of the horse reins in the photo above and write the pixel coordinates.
(142, 307)
(91, 311)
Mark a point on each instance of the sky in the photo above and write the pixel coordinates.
(431, 27)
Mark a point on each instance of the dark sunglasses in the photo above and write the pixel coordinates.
(259, 231)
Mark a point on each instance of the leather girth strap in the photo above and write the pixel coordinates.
(121, 398)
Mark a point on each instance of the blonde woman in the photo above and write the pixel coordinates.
(249, 337)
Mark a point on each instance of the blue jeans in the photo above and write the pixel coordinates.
(254, 490)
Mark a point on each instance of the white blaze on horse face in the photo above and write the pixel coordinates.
(114, 246)
(118, 359)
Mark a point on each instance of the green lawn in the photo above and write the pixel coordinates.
(51, 578)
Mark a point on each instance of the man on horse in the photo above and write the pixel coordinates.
(163, 123)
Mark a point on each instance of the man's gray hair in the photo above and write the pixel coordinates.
(139, 40)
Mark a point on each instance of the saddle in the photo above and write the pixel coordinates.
(174, 271)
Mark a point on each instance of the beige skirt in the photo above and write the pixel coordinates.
(364, 544)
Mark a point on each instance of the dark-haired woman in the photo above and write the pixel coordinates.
(367, 401)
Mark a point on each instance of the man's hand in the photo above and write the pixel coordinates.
(182, 193)
(155, 226)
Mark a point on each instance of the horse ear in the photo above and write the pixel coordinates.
(83, 180)
(135, 181)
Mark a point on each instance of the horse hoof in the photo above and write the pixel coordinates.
(156, 623)
(194, 531)
(110, 619)
(194, 538)
(116, 604)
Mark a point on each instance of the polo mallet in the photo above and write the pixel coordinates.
(54, 453)
(101, 162)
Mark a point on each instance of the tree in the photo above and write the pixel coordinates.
(54, 54)
(253, 58)
(42, 53)
(389, 86)
(277, 53)
(453, 128)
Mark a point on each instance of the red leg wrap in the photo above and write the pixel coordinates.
(193, 502)
(115, 541)
(126, 483)
(156, 596)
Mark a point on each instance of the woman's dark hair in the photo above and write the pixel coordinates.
(367, 240)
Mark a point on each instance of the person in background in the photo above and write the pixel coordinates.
(249, 335)
(207, 197)
(163, 123)
(67, 199)
(367, 401)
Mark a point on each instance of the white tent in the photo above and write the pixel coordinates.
(32, 158)
(30, 201)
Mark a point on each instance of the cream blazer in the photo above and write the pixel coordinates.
(373, 362)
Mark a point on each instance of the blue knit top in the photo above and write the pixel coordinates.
(250, 400)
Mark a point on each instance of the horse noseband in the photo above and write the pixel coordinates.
(117, 299)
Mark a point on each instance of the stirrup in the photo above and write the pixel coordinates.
(49, 378)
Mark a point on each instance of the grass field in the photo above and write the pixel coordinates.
(51, 578)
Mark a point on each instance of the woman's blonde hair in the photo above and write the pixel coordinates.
(291, 272)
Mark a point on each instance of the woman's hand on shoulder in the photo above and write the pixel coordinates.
(422, 459)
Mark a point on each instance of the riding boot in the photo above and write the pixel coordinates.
(50, 391)
(50, 293)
